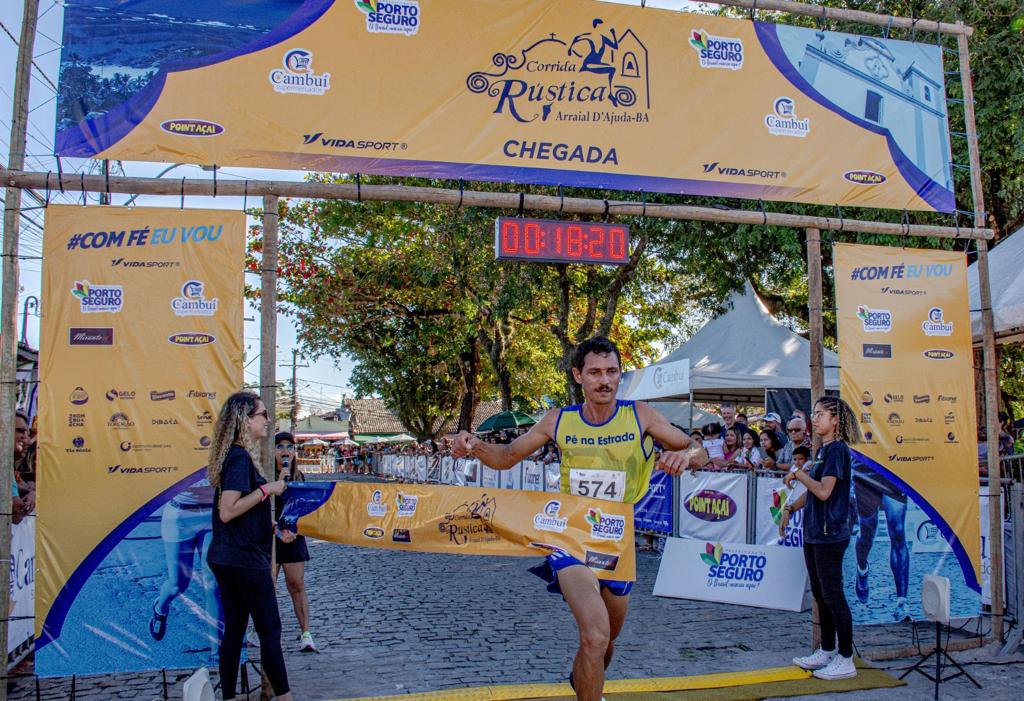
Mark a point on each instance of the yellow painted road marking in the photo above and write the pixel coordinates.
(515, 692)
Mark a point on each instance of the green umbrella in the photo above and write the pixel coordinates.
(503, 420)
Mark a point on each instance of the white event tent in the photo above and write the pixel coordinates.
(737, 356)
(1005, 264)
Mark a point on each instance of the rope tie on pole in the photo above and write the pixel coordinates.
(245, 197)
(764, 213)
(885, 32)
(522, 201)
(106, 178)
(606, 208)
(643, 212)
(47, 189)
(214, 179)
(561, 199)
(81, 183)
(183, 193)
(913, 29)
(359, 187)
(60, 176)
(839, 215)
(462, 192)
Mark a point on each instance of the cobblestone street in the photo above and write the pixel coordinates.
(390, 622)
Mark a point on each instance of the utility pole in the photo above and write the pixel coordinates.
(9, 305)
(294, 414)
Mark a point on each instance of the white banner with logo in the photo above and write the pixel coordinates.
(23, 590)
(713, 506)
(447, 470)
(468, 471)
(727, 573)
(771, 496)
(420, 464)
(986, 553)
(489, 478)
(553, 477)
(512, 478)
(533, 476)
(657, 381)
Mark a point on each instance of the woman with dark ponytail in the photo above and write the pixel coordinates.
(827, 534)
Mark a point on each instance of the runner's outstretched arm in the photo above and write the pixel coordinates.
(681, 452)
(503, 457)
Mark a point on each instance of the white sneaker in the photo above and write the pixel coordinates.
(816, 660)
(839, 668)
(306, 643)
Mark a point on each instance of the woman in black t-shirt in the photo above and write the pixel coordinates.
(243, 533)
(826, 505)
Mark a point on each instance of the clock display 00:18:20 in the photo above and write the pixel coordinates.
(543, 240)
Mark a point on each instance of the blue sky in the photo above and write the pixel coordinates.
(320, 385)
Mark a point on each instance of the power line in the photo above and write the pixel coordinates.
(15, 40)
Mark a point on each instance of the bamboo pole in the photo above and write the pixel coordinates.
(817, 362)
(268, 328)
(471, 198)
(9, 305)
(839, 13)
(995, 526)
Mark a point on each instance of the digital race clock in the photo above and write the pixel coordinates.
(546, 241)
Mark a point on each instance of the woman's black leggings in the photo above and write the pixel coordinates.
(825, 568)
(244, 593)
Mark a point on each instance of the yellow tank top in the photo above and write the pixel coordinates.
(610, 461)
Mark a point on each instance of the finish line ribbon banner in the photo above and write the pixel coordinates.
(467, 520)
(141, 342)
(906, 368)
(573, 92)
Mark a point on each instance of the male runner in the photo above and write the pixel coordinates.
(616, 470)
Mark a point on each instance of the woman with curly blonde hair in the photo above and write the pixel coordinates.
(243, 535)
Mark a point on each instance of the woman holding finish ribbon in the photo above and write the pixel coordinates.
(243, 535)
(826, 505)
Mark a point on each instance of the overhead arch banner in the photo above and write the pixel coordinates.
(141, 342)
(907, 371)
(574, 92)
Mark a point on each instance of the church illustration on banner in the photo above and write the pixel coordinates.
(894, 85)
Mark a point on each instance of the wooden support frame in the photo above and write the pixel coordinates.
(15, 179)
(494, 200)
(9, 308)
(839, 13)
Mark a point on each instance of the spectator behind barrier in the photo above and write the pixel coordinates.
(770, 448)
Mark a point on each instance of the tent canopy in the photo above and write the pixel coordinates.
(1005, 264)
(741, 353)
(678, 413)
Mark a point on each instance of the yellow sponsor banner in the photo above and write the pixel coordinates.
(141, 341)
(572, 92)
(907, 371)
(468, 520)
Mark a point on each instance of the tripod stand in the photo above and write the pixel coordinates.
(942, 659)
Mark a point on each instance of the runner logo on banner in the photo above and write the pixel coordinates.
(907, 371)
(140, 343)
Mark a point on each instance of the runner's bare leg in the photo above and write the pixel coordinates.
(618, 607)
(582, 593)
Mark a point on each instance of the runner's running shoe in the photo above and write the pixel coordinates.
(306, 643)
(816, 660)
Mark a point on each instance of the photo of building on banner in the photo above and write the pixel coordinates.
(141, 340)
(907, 371)
(575, 93)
